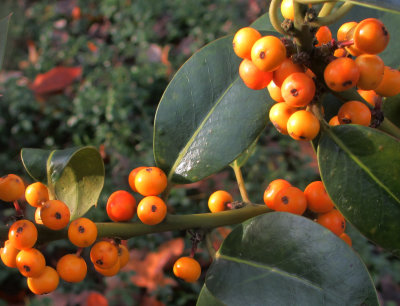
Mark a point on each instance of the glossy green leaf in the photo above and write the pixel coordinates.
(74, 176)
(246, 154)
(391, 109)
(3, 37)
(360, 168)
(207, 117)
(385, 5)
(284, 259)
(206, 298)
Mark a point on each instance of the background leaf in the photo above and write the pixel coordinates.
(207, 116)
(360, 168)
(391, 109)
(206, 298)
(74, 176)
(386, 5)
(294, 261)
(3, 37)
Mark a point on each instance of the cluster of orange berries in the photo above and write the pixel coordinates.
(267, 64)
(280, 195)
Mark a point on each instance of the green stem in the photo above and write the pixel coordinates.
(326, 9)
(171, 223)
(335, 16)
(273, 15)
(240, 182)
(390, 128)
(303, 37)
(314, 1)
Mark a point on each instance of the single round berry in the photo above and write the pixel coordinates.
(188, 269)
(121, 206)
(287, 9)
(344, 29)
(268, 53)
(104, 254)
(55, 214)
(298, 89)
(9, 254)
(275, 92)
(279, 115)
(346, 238)
(244, 40)
(371, 71)
(290, 199)
(132, 176)
(109, 271)
(218, 201)
(45, 283)
(253, 77)
(72, 268)
(151, 210)
(318, 200)
(334, 121)
(341, 74)
(23, 234)
(354, 112)
(123, 255)
(38, 218)
(371, 36)
(30, 262)
(82, 232)
(150, 181)
(272, 189)
(369, 96)
(323, 36)
(303, 125)
(333, 221)
(12, 188)
(390, 84)
(284, 70)
(36, 194)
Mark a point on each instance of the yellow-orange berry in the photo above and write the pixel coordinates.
(370, 96)
(334, 121)
(284, 70)
(218, 200)
(72, 268)
(123, 254)
(188, 269)
(45, 283)
(244, 40)
(109, 271)
(371, 36)
(287, 9)
(132, 176)
(275, 92)
(23, 234)
(317, 198)
(346, 238)
(151, 210)
(12, 188)
(298, 89)
(82, 232)
(323, 36)
(55, 214)
(303, 125)
(272, 189)
(344, 29)
(390, 84)
(333, 221)
(104, 254)
(9, 254)
(341, 74)
(268, 53)
(279, 115)
(36, 194)
(253, 77)
(354, 112)
(290, 199)
(150, 181)
(121, 206)
(30, 262)
(371, 71)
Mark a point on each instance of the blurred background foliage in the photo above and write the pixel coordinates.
(128, 51)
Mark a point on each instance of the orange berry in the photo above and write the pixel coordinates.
(150, 181)
(268, 53)
(82, 232)
(23, 234)
(290, 199)
(9, 254)
(104, 254)
(333, 221)
(272, 189)
(38, 218)
(12, 188)
(371, 71)
(346, 238)
(218, 200)
(123, 255)
(346, 33)
(317, 199)
(151, 210)
(303, 125)
(121, 206)
(253, 77)
(287, 9)
(131, 178)
(109, 271)
(45, 283)
(298, 89)
(275, 92)
(369, 96)
(279, 115)
(354, 112)
(188, 269)
(284, 70)
(323, 36)
(344, 29)
(244, 40)
(341, 74)
(340, 52)
(390, 84)
(36, 194)
(96, 299)
(72, 268)
(371, 36)
(30, 262)
(55, 214)
(334, 121)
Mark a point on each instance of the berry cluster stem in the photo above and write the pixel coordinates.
(273, 15)
(240, 182)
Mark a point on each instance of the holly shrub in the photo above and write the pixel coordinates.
(293, 248)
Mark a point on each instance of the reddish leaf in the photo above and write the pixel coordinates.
(55, 80)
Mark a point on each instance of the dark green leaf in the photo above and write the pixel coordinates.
(284, 259)
(263, 24)
(360, 168)
(3, 37)
(246, 154)
(206, 298)
(391, 109)
(207, 117)
(386, 5)
(74, 176)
